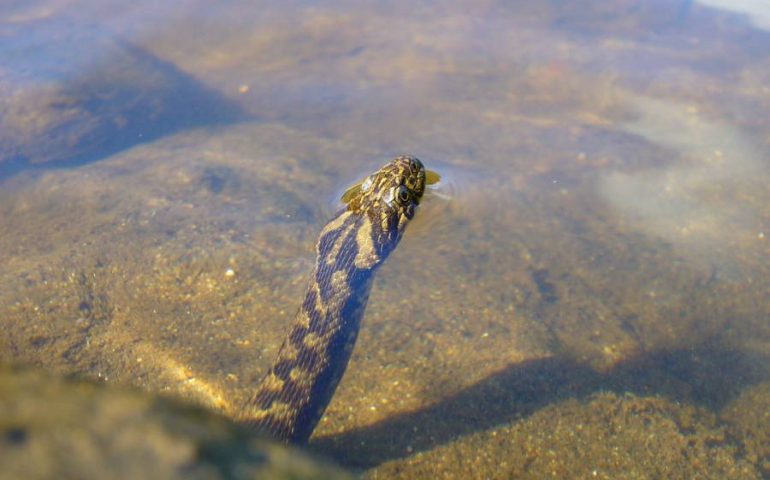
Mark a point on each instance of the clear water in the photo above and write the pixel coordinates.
(596, 254)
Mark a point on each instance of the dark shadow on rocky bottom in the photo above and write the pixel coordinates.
(125, 97)
(709, 375)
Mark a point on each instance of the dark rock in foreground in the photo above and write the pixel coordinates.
(54, 427)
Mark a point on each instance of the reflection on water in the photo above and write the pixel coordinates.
(758, 11)
(582, 296)
(710, 200)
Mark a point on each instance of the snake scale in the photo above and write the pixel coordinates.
(299, 385)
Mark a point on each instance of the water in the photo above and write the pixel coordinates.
(584, 296)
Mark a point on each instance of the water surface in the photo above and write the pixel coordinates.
(584, 296)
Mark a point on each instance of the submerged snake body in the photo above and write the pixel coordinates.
(299, 385)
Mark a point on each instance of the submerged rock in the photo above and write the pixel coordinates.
(56, 427)
(67, 105)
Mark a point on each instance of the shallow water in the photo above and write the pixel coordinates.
(584, 295)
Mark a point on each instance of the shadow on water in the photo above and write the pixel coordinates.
(710, 375)
(127, 97)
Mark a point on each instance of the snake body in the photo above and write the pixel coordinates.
(299, 385)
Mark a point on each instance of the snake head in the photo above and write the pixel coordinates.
(390, 195)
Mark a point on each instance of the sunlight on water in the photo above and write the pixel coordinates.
(758, 11)
(709, 201)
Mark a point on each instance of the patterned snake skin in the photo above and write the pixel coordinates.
(299, 385)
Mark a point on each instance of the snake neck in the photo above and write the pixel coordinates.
(299, 385)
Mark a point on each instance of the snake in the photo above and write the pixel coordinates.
(293, 395)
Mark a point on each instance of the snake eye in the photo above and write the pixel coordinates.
(403, 195)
